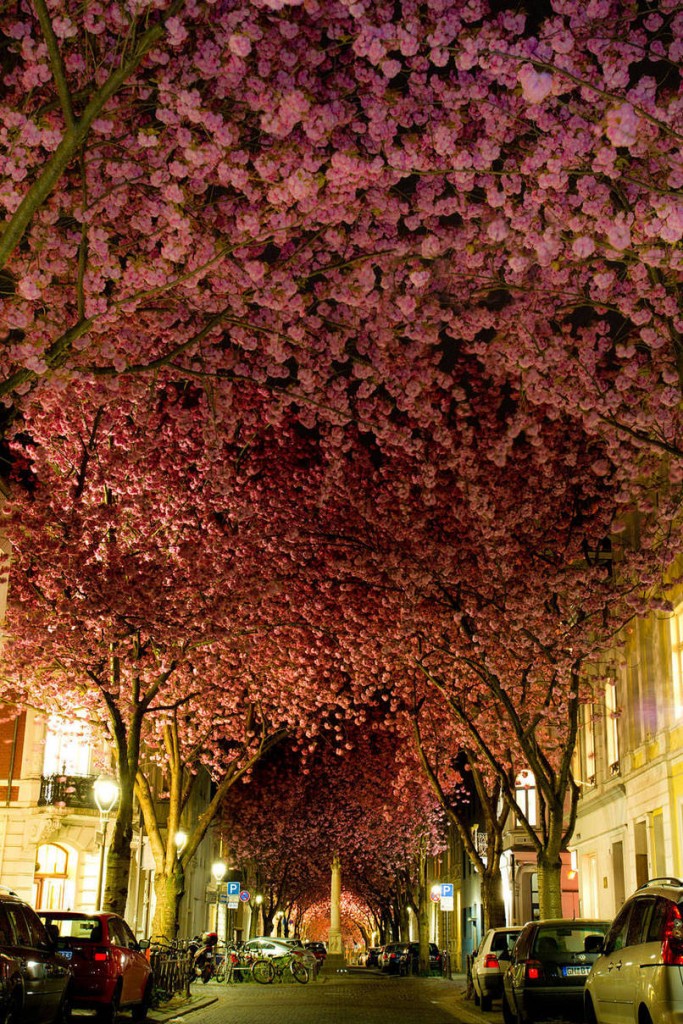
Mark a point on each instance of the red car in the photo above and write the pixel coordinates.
(110, 971)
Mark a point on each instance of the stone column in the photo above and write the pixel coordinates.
(335, 949)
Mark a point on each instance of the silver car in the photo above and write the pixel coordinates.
(487, 969)
(638, 977)
(266, 945)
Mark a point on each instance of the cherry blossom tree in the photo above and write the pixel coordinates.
(353, 330)
(332, 202)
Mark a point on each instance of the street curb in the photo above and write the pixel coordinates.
(179, 1011)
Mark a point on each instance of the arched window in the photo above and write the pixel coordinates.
(51, 877)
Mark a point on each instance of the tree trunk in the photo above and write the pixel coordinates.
(550, 883)
(168, 890)
(492, 897)
(117, 870)
(423, 918)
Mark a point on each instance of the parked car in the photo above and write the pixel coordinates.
(35, 981)
(265, 945)
(548, 968)
(411, 958)
(318, 949)
(638, 976)
(110, 970)
(372, 954)
(487, 969)
(392, 958)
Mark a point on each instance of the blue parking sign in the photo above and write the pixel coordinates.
(234, 888)
(446, 889)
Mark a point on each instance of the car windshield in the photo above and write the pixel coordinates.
(564, 938)
(87, 928)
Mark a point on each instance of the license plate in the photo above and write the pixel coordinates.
(66, 953)
(572, 972)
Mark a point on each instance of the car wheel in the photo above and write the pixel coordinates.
(139, 1012)
(13, 1011)
(509, 1016)
(475, 994)
(62, 1016)
(107, 1014)
(485, 1002)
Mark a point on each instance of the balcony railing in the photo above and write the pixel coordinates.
(67, 791)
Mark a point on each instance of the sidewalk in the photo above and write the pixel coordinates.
(179, 1006)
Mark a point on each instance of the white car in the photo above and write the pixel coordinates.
(638, 977)
(266, 945)
(487, 970)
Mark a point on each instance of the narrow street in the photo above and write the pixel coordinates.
(355, 998)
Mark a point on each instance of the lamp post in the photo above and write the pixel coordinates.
(106, 792)
(180, 840)
(219, 870)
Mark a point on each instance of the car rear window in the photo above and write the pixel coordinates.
(503, 940)
(564, 939)
(87, 929)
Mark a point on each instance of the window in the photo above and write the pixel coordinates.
(525, 795)
(51, 877)
(67, 746)
(676, 631)
(588, 768)
(639, 922)
(611, 728)
(616, 936)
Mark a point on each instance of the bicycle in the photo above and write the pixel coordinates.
(265, 969)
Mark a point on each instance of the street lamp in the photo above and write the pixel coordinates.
(106, 792)
(180, 840)
(219, 869)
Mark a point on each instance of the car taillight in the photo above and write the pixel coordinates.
(533, 970)
(100, 954)
(672, 945)
(491, 960)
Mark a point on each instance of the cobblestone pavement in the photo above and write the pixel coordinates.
(354, 998)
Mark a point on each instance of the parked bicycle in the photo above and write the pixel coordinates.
(266, 969)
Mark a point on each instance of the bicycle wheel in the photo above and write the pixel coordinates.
(262, 971)
(220, 972)
(300, 972)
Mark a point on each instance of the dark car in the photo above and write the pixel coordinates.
(110, 970)
(411, 958)
(548, 968)
(371, 958)
(34, 979)
(318, 949)
(392, 958)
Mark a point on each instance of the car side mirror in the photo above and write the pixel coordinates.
(594, 944)
(143, 944)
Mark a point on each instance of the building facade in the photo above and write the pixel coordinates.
(51, 837)
(630, 765)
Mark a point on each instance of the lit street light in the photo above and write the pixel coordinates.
(106, 792)
(219, 869)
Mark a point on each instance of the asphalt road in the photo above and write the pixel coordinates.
(353, 998)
